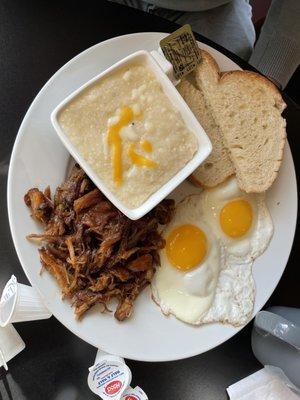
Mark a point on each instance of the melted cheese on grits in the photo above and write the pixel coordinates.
(127, 130)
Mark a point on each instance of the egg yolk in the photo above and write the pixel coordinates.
(186, 247)
(236, 218)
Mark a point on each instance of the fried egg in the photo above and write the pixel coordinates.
(234, 297)
(185, 283)
(206, 266)
(241, 221)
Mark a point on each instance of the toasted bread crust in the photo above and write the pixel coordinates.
(217, 167)
(270, 99)
(195, 181)
(280, 104)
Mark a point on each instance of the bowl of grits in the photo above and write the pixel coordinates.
(132, 133)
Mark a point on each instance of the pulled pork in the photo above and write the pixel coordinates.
(94, 252)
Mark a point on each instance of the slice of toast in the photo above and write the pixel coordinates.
(247, 109)
(218, 166)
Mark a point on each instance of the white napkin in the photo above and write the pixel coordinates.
(11, 344)
(269, 383)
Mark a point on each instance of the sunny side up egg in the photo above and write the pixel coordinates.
(185, 283)
(241, 221)
(206, 267)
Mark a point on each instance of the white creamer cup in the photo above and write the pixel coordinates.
(109, 377)
(102, 354)
(11, 344)
(21, 303)
(134, 394)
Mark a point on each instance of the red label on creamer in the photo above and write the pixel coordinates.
(134, 394)
(113, 387)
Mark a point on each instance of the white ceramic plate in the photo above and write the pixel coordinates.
(39, 159)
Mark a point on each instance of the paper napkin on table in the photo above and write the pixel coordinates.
(269, 383)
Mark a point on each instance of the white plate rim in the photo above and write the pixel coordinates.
(10, 211)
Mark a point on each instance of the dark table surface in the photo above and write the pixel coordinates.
(37, 38)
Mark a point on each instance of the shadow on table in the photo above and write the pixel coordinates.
(205, 376)
(54, 365)
(4, 385)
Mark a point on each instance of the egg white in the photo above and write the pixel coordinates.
(222, 288)
(251, 245)
(234, 297)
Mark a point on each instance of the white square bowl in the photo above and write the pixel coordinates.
(204, 144)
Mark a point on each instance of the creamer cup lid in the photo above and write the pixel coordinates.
(102, 355)
(134, 394)
(109, 377)
(8, 300)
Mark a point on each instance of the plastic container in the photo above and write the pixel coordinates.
(276, 340)
(11, 344)
(21, 303)
(109, 377)
(134, 394)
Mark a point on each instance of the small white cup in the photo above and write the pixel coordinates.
(21, 303)
(134, 394)
(102, 354)
(109, 377)
(11, 344)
